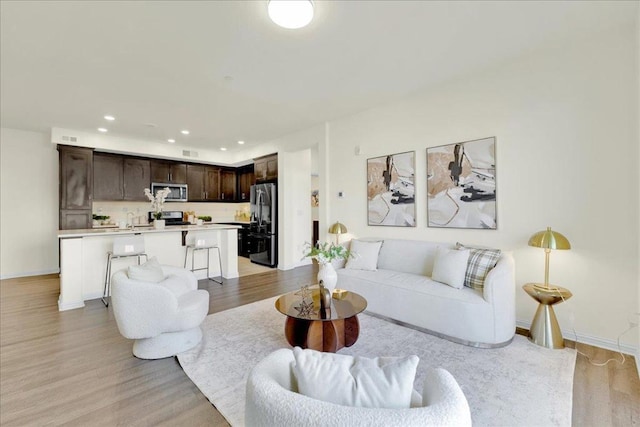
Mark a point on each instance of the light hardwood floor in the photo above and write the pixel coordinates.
(74, 368)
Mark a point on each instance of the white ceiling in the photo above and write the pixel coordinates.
(222, 70)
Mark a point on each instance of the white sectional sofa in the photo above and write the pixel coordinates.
(401, 290)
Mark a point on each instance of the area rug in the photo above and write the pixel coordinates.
(521, 384)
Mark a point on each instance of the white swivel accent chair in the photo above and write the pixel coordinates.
(273, 400)
(164, 318)
(123, 247)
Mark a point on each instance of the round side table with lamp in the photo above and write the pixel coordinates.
(544, 329)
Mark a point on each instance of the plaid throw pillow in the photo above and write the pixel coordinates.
(481, 261)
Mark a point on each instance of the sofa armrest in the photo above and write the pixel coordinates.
(500, 282)
(500, 293)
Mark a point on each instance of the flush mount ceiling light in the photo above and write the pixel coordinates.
(223, 148)
(171, 140)
(184, 132)
(291, 14)
(109, 118)
(240, 142)
(103, 130)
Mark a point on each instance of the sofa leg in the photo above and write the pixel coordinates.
(167, 345)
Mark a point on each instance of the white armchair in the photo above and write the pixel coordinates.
(164, 318)
(272, 400)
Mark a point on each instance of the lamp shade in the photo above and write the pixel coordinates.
(338, 228)
(548, 239)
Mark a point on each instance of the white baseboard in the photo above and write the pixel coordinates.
(30, 273)
(591, 340)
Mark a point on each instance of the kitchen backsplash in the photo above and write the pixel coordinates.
(217, 211)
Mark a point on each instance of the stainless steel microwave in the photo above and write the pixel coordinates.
(178, 191)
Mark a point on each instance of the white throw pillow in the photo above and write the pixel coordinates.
(383, 382)
(450, 267)
(364, 255)
(150, 271)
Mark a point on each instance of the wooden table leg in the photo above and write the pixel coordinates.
(328, 336)
(351, 331)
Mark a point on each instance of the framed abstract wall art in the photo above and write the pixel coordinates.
(461, 185)
(391, 190)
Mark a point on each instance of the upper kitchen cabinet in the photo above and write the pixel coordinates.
(76, 177)
(228, 185)
(212, 184)
(266, 168)
(136, 177)
(204, 183)
(76, 187)
(245, 180)
(168, 172)
(195, 183)
(107, 177)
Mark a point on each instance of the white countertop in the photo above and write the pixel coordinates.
(88, 232)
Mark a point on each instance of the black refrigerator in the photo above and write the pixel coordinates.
(263, 230)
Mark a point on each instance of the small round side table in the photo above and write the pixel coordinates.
(545, 330)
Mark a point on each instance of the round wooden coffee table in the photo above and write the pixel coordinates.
(310, 325)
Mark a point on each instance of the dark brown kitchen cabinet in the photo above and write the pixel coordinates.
(245, 180)
(212, 184)
(168, 172)
(228, 185)
(195, 183)
(76, 187)
(266, 168)
(203, 183)
(136, 177)
(107, 177)
(75, 219)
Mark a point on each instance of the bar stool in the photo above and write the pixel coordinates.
(203, 241)
(123, 247)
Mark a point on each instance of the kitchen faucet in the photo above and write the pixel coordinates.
(130, 224)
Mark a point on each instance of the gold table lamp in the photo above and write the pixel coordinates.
(545, 330)
(338, 228)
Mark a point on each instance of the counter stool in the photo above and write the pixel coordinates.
(203, 241)
(123, 247)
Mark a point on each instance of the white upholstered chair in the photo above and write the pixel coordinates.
(164, 318)
(272, 400)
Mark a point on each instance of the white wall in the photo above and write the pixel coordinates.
(565, 122)
(28, 204)
(294, 209)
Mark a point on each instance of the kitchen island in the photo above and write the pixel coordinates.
(83, 256)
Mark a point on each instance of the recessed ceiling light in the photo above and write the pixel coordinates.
(184, 132)
(223, 148)
(240, 142)
(171, 140)
(291, 14)
(103, 130)
(110, 118)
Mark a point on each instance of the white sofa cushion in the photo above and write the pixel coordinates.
(364, 255)
(150, 271)
(450, 267)
(481, 261)
(408, 256)
(383, 382)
